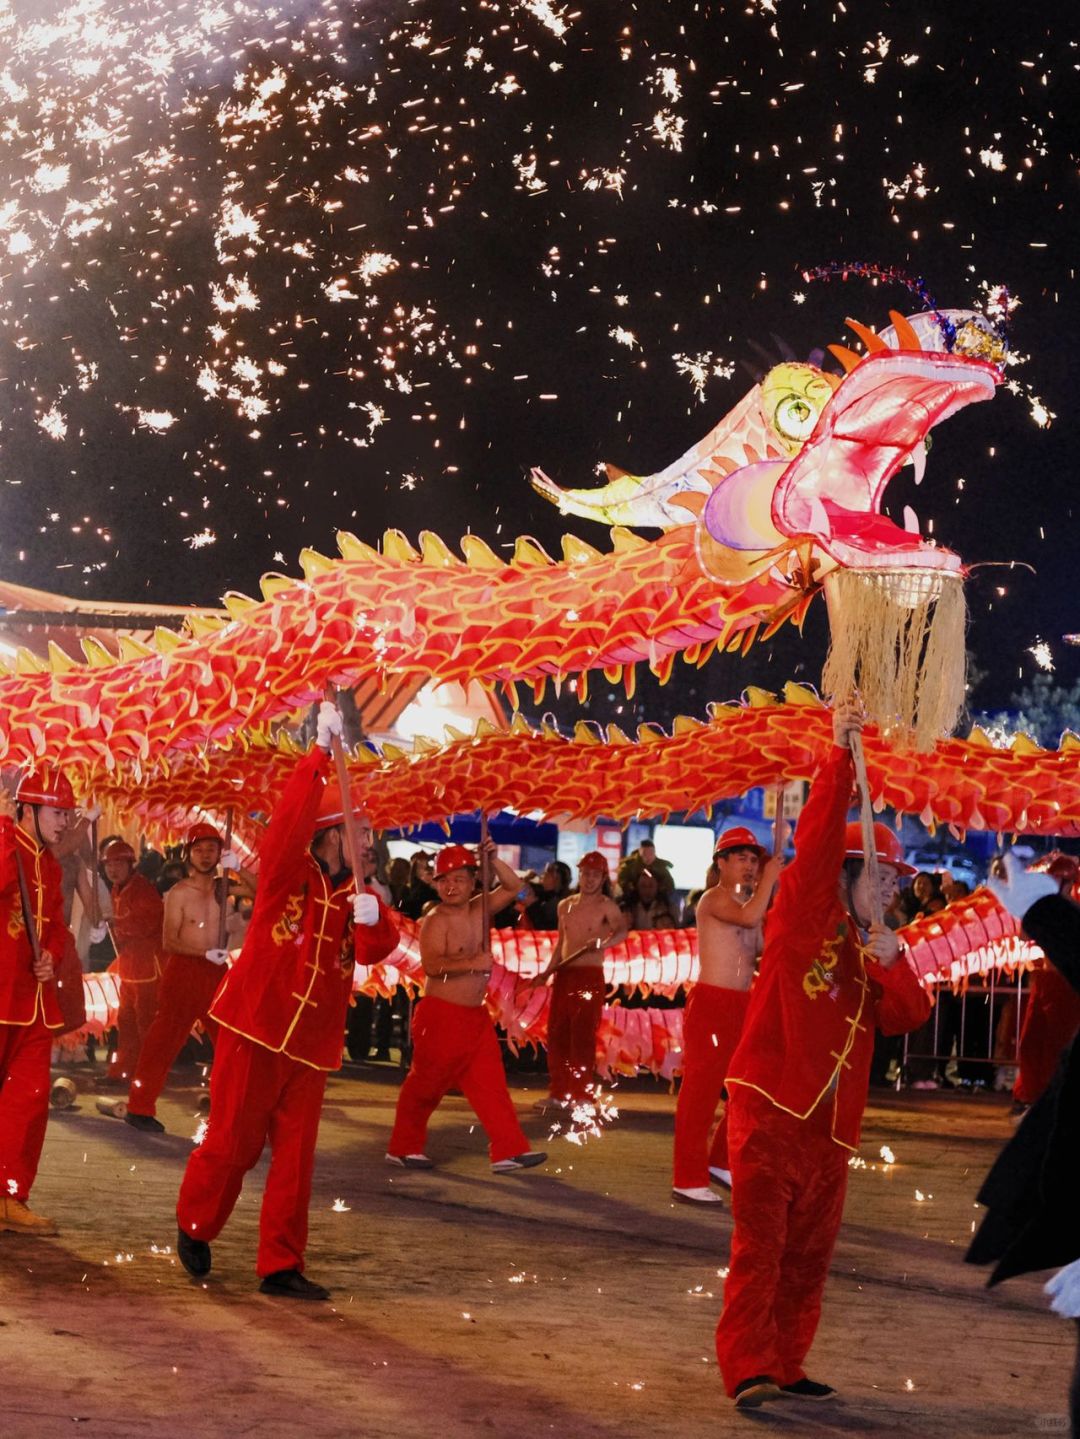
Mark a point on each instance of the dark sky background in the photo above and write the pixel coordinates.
(441, 213)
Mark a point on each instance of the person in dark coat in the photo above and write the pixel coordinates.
(1032, 1220)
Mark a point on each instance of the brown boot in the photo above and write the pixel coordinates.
(16, 1218)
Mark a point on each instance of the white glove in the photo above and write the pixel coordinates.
(218, 956)
(92, 814)
(1019, 891)
(98, 933)
(1064, 1290)
(230, 860)
(328, 723)
(365, 909)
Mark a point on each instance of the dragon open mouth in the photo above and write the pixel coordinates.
(877, 419)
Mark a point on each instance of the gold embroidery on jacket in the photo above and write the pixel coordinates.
(818, 979)
(288, 924)
(16, 924)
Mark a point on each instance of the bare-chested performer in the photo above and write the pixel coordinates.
(729, 923)
(454, 1040)
(194, 967)
(589, 922)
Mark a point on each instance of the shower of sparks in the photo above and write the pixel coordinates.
(287, 268)
(586, 1118)
(1042, 655)
(699, 368)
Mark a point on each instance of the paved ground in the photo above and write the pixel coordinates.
(575, 1301)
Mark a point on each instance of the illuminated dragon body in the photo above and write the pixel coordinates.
(785, 491)
(966, 783)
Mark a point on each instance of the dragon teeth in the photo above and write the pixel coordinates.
(918, 459)
(911, 520)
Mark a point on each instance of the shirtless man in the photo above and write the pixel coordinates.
(194, 967)
(729, 924)
(454, 1040)
(589, 922)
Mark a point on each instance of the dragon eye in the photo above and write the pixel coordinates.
(795, 418)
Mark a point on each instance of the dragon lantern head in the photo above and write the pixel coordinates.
(790, 484)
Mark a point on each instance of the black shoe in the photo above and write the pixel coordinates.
(756, 1391)
(291, 1284)
(519, 1161)
(381, 1056)
(808, 1389)
(194, 1254)
(146, 1122)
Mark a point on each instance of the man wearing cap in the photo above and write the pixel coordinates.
(589, 922)
(31, 908)
(641, 859)
(136, 930)
(280, 1013)
(797, 1083)
(194, 967)
(1052, 1015)
(729, 924)
(454, 1040)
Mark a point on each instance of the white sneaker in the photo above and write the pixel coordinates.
(925, 1084)
(410, 1161)
(704, 1195)
(722, 1176)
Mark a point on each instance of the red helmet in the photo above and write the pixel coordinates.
(1065, 868)
(118, 849)
(738, 838)
(331, 809)
(594, 860)
(886, 843)
(202, 830)
(46, 786)
(453, 856)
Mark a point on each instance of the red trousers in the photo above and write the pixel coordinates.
(788, 1180)
(138, 1005)
(577, 1005)
(255, 1096)
(1051, 1021)
(712, 1024)
(24, 1104)
(185, 993)
(456, 1048)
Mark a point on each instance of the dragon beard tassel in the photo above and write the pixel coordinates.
(897, 639)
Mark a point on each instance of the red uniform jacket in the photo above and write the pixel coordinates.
(22, 998)
(288, 990)
(138, 915)
(809, 1031)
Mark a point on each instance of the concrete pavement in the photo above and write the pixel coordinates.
(576, 1300)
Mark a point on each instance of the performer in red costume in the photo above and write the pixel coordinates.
(589, 922)
(454, 1041)
(729, 926)
(194, 968)
(281, 1017)
(1052, 1018)
(136, 932)
(798, 1080)
(30, 897)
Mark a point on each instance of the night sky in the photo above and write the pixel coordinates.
(270, 272)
